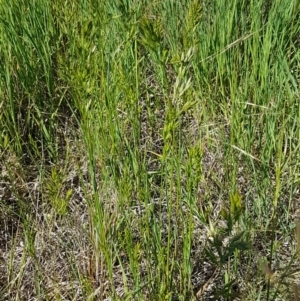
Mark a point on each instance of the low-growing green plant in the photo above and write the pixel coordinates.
(58, 198)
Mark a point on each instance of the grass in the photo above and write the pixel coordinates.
(149, 150)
